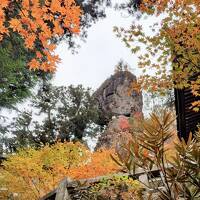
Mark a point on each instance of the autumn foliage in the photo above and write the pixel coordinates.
(178, 163)
(37, 23)
(39, 171)
(169, 51)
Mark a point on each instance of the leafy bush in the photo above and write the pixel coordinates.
(148, 150)
(32, 173)
(116, 187)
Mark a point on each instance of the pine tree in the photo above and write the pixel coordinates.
(57, 113)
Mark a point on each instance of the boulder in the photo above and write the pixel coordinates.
(114, 97)
(116, 134)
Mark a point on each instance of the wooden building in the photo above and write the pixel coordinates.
(187, 119)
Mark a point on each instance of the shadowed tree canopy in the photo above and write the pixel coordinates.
(57, 113)
(16, 80)
(130, 6)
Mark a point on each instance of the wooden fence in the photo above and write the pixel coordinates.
(66, 186)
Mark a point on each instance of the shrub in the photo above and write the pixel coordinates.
(31, 173)
(116, 187)
(180, 172)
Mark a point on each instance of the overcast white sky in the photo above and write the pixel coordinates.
(97, 57)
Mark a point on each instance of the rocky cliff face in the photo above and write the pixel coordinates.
(116, 106)
(114, 99)
(115, 135)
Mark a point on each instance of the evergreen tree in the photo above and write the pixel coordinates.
(15, 78)
(57, 113)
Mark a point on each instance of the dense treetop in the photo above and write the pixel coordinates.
(37, 22)
(172, 50)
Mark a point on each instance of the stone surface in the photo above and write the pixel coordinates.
(114, 99)
(116, 134)
(116, 105)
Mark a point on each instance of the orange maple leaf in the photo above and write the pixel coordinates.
(34, 64)
(15, 24)
(29, 41)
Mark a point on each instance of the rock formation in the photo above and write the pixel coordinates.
(115, 135)
(114, 98)
(116, 105)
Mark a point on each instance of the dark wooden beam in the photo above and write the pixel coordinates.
(187, 119)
